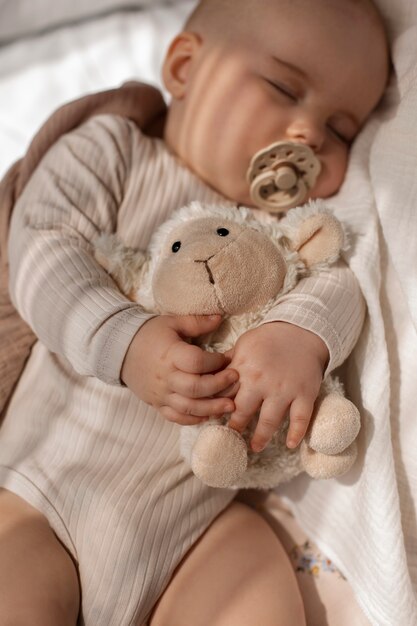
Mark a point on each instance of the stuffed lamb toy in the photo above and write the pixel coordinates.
(222, 260)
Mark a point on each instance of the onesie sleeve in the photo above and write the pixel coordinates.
(329, 304)
(70, 302)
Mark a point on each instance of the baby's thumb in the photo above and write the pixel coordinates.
(196, 325)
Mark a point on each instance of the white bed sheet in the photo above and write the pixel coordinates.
(38, 74)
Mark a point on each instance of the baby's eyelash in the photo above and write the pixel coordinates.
(340, 136)
(283, 89)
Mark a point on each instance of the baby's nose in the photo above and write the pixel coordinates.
(307, 132)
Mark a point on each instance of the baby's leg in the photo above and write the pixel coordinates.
(38, 579)
(237, 574)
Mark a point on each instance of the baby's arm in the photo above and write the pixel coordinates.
(56, 285)
(71, 303)
(281, 363)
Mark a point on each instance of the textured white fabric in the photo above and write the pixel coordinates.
(366, 521)
(27, 17)
(67, 63)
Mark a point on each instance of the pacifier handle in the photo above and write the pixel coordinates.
(281, 175)
(286, 177)
(267, 195)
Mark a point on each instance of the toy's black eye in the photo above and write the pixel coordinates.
(222, 232)
(176, 246)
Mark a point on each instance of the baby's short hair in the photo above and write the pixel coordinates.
(210, 15)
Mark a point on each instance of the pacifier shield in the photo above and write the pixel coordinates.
(281, 175)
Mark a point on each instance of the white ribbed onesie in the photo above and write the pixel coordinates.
(102, 466)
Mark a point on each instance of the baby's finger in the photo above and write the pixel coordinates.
(196, 386)
(179, 418)
(270, 417)
(194, 360)
(247, 403)
(200, 408)
(300, 415)
(229, 392)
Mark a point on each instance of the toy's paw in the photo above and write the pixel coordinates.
(335, 424)
(319, 465)
(219, 456)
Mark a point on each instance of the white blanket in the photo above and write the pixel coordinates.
(366, 522)
(40, 73)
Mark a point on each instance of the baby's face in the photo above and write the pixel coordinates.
(299, 71)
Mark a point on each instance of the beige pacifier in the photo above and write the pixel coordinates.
(281, 175)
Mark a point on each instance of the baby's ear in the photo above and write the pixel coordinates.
(177, 64)
(319, 239)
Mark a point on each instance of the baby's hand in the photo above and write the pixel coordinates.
(175, 377)
(280, 368)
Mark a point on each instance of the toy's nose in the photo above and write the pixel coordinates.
(209, 272)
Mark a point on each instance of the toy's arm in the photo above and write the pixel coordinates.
(329, 304)
(123, 263)
(68, 299)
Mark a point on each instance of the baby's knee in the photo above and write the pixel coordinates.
(38, 578)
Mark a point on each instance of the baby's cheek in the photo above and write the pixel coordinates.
(332, 175)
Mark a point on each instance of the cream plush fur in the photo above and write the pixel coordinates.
(220, 259)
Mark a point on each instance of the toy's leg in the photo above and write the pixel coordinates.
(237, 574)
(329, 449)
(38, 580)
(319, 465)
(335, 424)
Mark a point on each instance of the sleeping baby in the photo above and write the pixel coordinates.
(97, 506)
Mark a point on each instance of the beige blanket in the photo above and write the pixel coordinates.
(142, 104)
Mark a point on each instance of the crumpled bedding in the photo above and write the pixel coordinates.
(39, 74)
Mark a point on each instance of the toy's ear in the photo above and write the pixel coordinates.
(125, 265)
(319, 239)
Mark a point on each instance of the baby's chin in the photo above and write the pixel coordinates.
(325, 189)
(317, 194)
